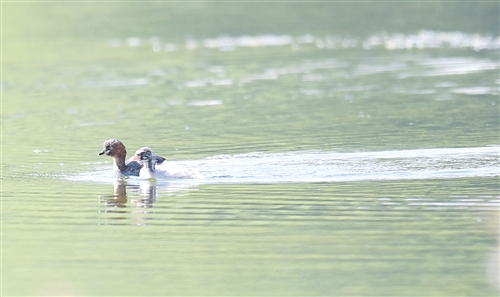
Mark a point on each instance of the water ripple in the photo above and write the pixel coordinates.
(318, 166)
(423, 39)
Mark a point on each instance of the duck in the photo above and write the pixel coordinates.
(115, 149)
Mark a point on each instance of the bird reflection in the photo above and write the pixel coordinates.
(135, 202)
(142, 198)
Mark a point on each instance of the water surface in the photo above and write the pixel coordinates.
(347, 149)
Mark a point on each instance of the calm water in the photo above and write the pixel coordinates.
(347, 149)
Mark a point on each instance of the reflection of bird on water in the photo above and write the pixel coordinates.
(118, 207)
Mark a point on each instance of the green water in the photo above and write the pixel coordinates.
(201, 82)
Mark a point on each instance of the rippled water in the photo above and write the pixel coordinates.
(346, 149)
(421, 40)
(307, 167)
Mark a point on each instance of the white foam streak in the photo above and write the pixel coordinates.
(319, 166)
(359, 166)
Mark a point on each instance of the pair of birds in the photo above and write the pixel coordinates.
(142, 164)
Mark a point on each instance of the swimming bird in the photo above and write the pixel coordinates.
(146, 158)
(154, 166)
(115, 149)
(142, 164)
(137, 156)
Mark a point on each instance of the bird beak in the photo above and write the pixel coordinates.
(102, 152)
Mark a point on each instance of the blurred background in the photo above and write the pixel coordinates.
(348, 148)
